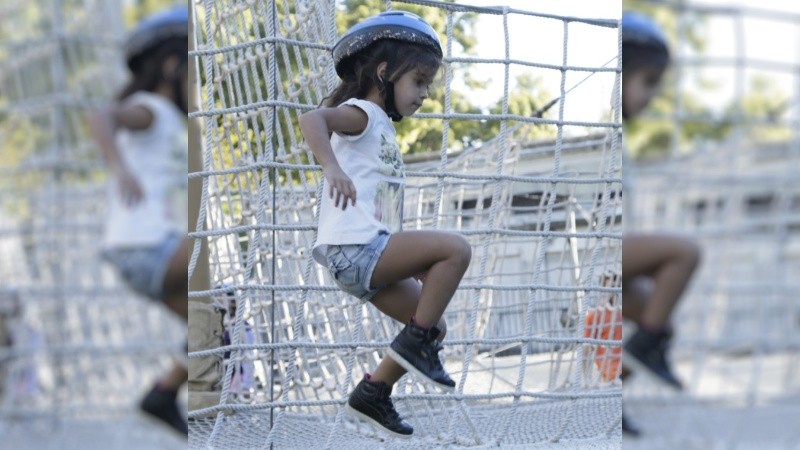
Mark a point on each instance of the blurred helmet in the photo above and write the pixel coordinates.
(397, 25)
(154, 30)
(640, 30)
(643, 42)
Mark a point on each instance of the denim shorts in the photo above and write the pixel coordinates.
(351, 265)
(143, 268)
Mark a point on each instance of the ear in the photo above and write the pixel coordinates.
(380, 71)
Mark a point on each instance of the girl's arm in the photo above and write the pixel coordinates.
(103, 125)
(317, 126)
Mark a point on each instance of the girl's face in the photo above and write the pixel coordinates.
(639, 86)
(410, 90)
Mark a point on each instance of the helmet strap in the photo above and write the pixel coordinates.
(388, 93)
(388, 100)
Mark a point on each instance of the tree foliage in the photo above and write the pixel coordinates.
(419, 136)
(703, 120)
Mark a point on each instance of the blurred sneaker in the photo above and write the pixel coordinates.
(628, 428)
(162, 405)
(646, 352)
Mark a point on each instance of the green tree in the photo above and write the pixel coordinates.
(24, 137)
(762, 99)
(415, 136)
(654, 136)
(136, 10)
(240, 143)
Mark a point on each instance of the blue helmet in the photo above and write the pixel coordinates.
(398, 25)
(155, 29)
(638, 29)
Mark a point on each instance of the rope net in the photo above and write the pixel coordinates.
(82, 347)
(729, 178)
(542, 215)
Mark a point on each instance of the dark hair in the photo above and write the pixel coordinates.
(148, 69)
(636, 56)
(404, 57)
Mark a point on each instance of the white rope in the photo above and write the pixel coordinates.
(415, 174)
(458, 398)
(262, 211)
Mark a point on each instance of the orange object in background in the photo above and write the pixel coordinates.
(605, 322)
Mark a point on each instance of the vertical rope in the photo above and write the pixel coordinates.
(58, 73)
(677, 130)
(298, 385)
(358, 335)
(501, 157)
(448, 108)
(549, 214)
(615, 168)
(208, 163)
(208, 142)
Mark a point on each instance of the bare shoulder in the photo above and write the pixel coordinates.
(345, 118)
(132, 116)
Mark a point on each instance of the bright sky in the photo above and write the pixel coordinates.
(540, 40)
(764, 39)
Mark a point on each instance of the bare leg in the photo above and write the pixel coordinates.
(174, 379)
(444, 256)
(670, 261)
(636, 293)
(176, 288)
(176, 281)
(400, 302)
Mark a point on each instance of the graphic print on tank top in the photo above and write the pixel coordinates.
(389, 194)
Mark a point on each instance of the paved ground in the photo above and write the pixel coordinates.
(704, 426)
(129, 432)
(125, 429)
(716, 412)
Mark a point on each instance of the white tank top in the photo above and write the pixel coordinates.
(158, 158)
(373, 162)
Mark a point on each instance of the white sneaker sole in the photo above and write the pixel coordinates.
(410, 368)
(355, 413)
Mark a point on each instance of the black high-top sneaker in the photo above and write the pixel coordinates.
(646, 351)
(161, 405)
(628, 428)
(371, 401)
(417, 350)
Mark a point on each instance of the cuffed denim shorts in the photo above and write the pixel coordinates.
(351, 265)
(143, 268)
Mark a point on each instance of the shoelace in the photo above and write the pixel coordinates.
(388, 407)
(436, 347)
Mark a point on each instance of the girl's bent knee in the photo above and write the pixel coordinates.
(692, 252)
(463, 251)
